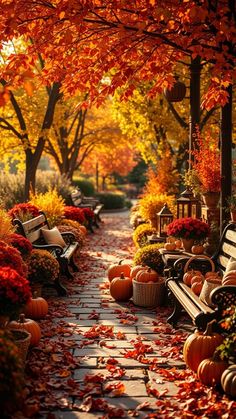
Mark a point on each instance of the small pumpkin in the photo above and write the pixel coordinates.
(228, 380)
(197, 287)
(83, 230)
(148, 275)
(187, 277)
(30, 326)
(121, 288)
(36, 308)
(197, 278)
(135, 270)
(200, 345)
(170, 246)
(116, 269)
(178, 244)
(210, 370)
(197, 249)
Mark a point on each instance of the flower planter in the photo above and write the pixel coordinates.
(187, 244)
(211, 199)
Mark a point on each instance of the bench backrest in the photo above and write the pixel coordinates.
(227, 247)
(76, 197)
(31, 229)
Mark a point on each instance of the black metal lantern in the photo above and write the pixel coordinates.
(188, 205)
(164, 217)
(176, 93)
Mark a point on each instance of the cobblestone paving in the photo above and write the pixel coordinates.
(90, 305)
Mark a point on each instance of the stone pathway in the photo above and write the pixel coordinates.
(100, 358)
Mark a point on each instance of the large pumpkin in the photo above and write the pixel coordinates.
(36, 308)
(30, 326)
(229, 278)
(148, 275)
(121, 288)
(228, 380)
(210, 371)
(200, 345)
(116, 269)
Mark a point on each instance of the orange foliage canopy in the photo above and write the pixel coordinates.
(99, 45)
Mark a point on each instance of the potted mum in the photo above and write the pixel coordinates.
(42, 268)
(14, 294)
(189, 230)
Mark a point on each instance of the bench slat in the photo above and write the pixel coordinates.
(32, 224)
(229, 249)
(231, 235)
(203, 307)
(187, 304)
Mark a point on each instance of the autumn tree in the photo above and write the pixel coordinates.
(109, 158)
(77, 131)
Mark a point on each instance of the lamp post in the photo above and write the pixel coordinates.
(188, 205)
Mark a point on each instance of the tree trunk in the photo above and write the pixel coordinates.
(97, 177)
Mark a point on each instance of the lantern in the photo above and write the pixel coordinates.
(176, 93)
(164, 217)
(188, 205)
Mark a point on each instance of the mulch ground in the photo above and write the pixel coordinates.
(100, 358)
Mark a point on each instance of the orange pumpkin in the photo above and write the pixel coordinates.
(170, 246)
(197, 278)
(116, 269)
(134, 271)
(210, 371)
(121, 288)
(197, 287)
(36, 308)
(197, 249)
(148, 275)
(178, 244)
(200, 345)
(212, 275)
(30, 326)
(83, 230)
(187, 277)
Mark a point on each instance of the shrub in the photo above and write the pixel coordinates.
(14, 292)
(22, 244)
(6, 227)
(24, 211)
(140, 234)
(150, 256)
(49, 180)
(86, 187)
(11, 189)
(111, 200)
(50, 203)
(75, 214)
(11, 375)
(79, 237)
(150, 204)
(11, 257)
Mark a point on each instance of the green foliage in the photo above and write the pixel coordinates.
(140, 234)
(111, 200)
(150, 256)
(86, 187)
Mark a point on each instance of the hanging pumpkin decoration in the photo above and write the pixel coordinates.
(30, 326)
(116, 269)
(148, 275)
(135, 270)
(228, 380)
(210, 370)
(36, 308)
(177, 92)
(121, 288)
(201, 345)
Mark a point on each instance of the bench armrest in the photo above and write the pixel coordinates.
(50, 247)
(69, 236)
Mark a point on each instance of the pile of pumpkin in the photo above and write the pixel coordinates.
(195, 279)
(121, 276)
(201, 356)
(35, 309)
(173, 244)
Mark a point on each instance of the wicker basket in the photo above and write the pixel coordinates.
(199, 257)
(21, 339)
(148, 294)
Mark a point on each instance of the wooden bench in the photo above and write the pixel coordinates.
(221, 297)
(31, 229)
(81, 201)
